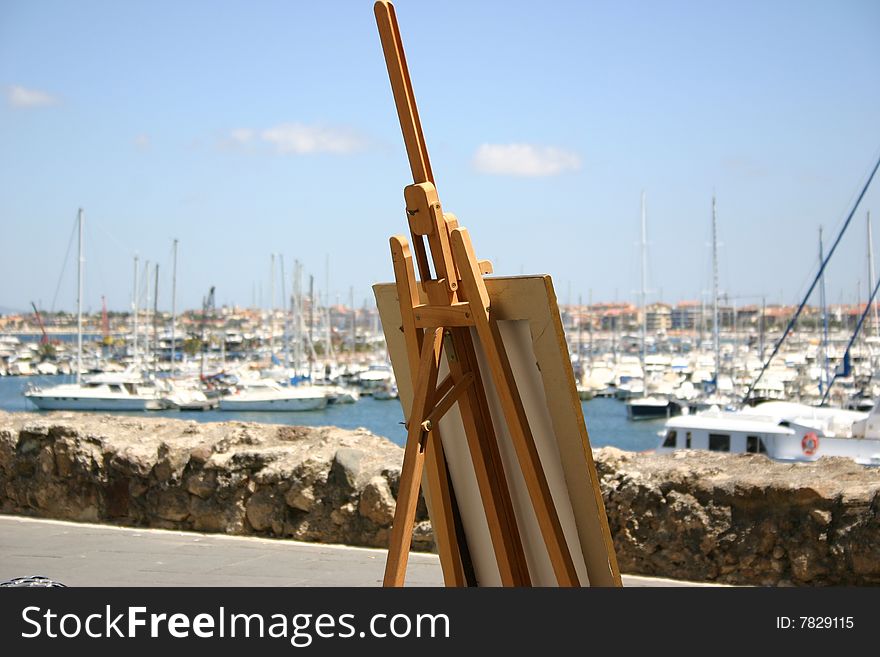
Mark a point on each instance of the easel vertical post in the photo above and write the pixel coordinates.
(413, 461)
(457, 304)
(450, 544)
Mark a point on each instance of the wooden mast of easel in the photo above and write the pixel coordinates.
(447, 318)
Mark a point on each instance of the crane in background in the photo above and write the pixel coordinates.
(207, 304)
(44, 339)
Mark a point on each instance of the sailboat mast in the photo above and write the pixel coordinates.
(614, 318)
(793, 320)
(146, 286)
(311, 323)
(761, 338)
(590, 325)
(580, 335)
(134, 328)
(328, 350)
(715, 328)
(331, 357)
(286, 339)
(825, 374)
(298, 340)
(173, 305)
(353, 322)
(156, 319)
(871, 275)
(702, 318)
(272, 307)
(642, 300)
(79, 294)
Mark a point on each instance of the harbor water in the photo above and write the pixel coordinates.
(606, 418)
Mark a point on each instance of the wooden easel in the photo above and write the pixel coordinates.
(441, 313)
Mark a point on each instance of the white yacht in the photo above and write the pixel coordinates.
(781, 430)
(386, 392)
(598, 380)
(186, 395)
(268, 395)
(341, 394)
(109, 391)
(378, 377)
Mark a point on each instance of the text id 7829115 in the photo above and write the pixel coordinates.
(815, 622)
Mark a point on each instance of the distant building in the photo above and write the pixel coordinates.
(617, 316)
(685, 315)
(658, 317)
(726, 317)
(749, 317)
(776, 317)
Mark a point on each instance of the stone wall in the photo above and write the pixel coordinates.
(692, 515)
(742, 518)
(311, 484)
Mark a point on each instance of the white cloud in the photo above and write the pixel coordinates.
(142, 142)
(21, 97)
(301, 139)
(241, 135)
(525, 160)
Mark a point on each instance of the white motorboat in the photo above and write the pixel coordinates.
(47, 368)
(341, 395)
(124, 391)
(630, 388)
(781, 430)
(185, 397)
(377, 377)
(268, 395)
(597, 381)
(386, 392)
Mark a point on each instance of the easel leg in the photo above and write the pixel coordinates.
(413, 460)
(449, 538)
(443, 514)
(482, 445)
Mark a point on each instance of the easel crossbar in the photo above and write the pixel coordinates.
(447, 402)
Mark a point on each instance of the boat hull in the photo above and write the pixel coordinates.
(636, 411)
(865, 451)
(52, 403)
(273, 405)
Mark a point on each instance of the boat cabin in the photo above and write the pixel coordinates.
(722, 433)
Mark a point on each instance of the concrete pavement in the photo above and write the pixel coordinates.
(79, 554)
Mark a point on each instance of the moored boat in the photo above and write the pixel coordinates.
(268, 395)
(652, 407)
(781, 430)
(104, 392)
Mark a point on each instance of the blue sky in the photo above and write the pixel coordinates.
(250, 128)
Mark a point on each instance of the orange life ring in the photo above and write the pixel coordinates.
(810, 443)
